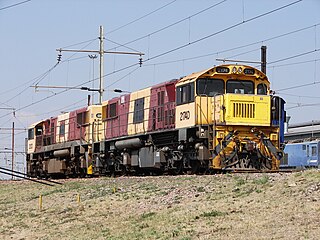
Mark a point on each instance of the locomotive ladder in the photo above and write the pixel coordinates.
(211, 144)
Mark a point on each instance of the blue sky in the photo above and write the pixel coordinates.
(31, 33)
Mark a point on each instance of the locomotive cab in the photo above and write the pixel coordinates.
(231, 109)
(35, 132)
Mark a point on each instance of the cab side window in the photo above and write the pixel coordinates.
(31, 133)
(138, 113)
(262, 89)
(185, 94)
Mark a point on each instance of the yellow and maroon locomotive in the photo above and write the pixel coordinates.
(222, 118)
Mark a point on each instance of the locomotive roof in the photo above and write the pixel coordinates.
(196, 75)
(33, 125)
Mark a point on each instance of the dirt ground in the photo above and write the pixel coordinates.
(229, 206)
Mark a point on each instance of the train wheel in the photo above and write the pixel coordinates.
(267, 164)
(195, 167)
(118, 169)
(177, 168)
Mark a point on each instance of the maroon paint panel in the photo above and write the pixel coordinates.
(76, 129)
(47, 136)
(162, 106)
(117, 125)
(53, 127)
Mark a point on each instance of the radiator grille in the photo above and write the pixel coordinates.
(244, 110)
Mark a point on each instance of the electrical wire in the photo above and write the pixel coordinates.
(56, 110)
(118, 28)
(243, 53)
(146, 15)
(175, 23)
(123, 77)
(41, 78)
(72, 45)
(22, 124)
(223, 30)
(13, 5)
(121, 45)
(63, 91)
(45, 74)
(296, 63)
(298, 86)
(6, 121)
(300, 96)
(172, 50)
(34, 79)
(234, 48)
(295, 56)
(304, 105)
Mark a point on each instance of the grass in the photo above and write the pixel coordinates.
(147, 215)
(261, 181)
(166, 207)
(213, 213)
(240, 181)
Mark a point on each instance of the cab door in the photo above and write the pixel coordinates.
(160, 110)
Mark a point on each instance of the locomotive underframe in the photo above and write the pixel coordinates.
(187, 150)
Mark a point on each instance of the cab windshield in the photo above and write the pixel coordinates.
(240, 87)
(210, 87)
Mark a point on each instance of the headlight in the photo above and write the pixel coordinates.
(234, 70)
(240, 70)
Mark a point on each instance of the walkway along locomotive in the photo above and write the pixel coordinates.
(218, 119)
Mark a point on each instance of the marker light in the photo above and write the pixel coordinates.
(234, 70)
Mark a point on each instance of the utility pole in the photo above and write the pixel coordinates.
(264, 59)
(12, 148)
(101, 52)
(93, 57)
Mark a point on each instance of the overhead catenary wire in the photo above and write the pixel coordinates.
(73, 105)
(144, 16)
(32, 80)
(175, 23)
(295, 56)
(87, 41)
(121, 45)
(223, 30)
(14, 5)
(76, 44)
(172, 50)
(234, 48)
(298, 86)
(243, 53)
(300, 96)
(295, 63)
(304, 105)
(123, 76)
(38, 79)
(15, 134)
(63, 91)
